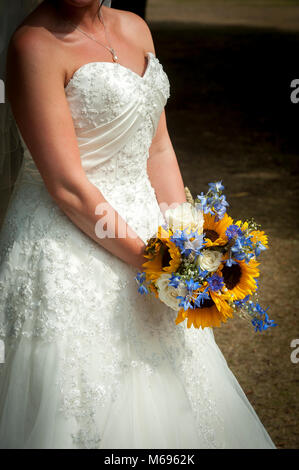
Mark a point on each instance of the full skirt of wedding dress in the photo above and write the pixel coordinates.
(92, 364)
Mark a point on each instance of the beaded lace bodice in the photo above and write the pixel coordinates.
(116, 113)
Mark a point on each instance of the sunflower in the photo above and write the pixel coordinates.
(258, 236)
(153, 247)
(163, 255)
(239, 278)
(243, 225)
(154, 289)
(214, 230)
(212, 312)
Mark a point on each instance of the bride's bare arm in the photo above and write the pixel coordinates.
(35, 86)
(163, 168)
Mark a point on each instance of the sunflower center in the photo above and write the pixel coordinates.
(231, 275)
(211, 234)
(207, 303)
(166, 258)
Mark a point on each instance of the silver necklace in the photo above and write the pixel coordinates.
(90, 36)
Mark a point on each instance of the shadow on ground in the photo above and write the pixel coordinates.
(230, 117)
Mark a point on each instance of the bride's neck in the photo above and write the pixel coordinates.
(84, 16)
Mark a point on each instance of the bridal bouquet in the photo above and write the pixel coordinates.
(204, 265)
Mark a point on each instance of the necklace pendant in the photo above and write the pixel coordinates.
(114, 56)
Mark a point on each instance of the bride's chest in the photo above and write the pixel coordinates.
(99, 92)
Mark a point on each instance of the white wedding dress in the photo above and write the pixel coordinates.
(90, 363)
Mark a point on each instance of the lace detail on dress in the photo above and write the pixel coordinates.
(103, 82)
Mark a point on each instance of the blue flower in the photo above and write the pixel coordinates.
(191, 285)
(262, 324)
(241, 302)
(219, 205)
(202, 198)
(260, 310)
(214, 202)
(242, 243)
(174, 280)
(242, 249)
(259, 247)
(260, 318)
(206, 203)
(229, 262)
(243, 256)
(179, 238)
(142, 289)
(202, 296)
(215, 282)
(185, 301)
(140, 277)
(193, 246)
(258, 324)
(202, 273)
(182, 240)
(268, 323)
(233, 231)
(216, 187)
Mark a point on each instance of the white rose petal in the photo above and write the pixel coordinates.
(168, 294)
(209, 260)
(185, 216)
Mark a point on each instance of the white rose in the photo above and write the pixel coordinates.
(168, 294)
(209, 260)
(185, 216)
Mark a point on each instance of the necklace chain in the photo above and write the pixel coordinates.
(90, 36)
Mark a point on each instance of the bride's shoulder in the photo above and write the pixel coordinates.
(133, 27)
(33, 41)
(32, 35)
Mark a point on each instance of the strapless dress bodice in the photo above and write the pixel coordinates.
(115, 113)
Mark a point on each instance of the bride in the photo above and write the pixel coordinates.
(89, 362)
